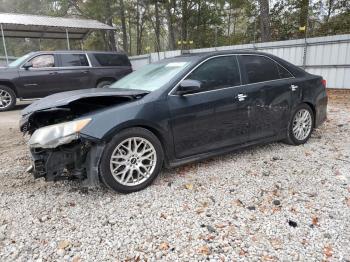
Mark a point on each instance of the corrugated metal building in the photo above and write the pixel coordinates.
(328, 56)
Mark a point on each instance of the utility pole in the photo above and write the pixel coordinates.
(4, 44)
(216, 27)
(305, 29)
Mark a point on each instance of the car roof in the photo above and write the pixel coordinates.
(226, 52)
(196, 57)
(79, 52)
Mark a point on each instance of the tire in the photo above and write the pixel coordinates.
(295, 137)
(103, 84)
(7, 98)
(128, 164)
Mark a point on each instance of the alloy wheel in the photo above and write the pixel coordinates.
(133, 161)
(5, 99)
(302, 124)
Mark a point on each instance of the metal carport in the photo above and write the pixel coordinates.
(47, 27)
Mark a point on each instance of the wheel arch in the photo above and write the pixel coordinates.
(154, 130)
(9, 85)
(112, 79)
(313, 108)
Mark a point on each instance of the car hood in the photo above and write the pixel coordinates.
(7, 69)
(65, 98)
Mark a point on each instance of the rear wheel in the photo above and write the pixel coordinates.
(301, 125)
(131, 160)
(103, 84)
(7, 98)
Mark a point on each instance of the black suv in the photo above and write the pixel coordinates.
(39, 74)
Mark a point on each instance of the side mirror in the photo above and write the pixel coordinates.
(188, 86)
(28, 65)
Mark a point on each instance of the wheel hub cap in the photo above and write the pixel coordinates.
(5, 99)
(133, 161)
(302, 124)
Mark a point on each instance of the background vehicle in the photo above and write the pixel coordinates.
(173, 112)
(40, 74)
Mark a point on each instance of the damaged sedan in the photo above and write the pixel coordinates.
(170, 113)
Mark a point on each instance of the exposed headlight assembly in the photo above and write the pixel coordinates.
(59, 134)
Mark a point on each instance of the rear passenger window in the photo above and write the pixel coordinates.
(284, 73)
(112, 59)
(69, 60)
(216, 73)
(259, 68)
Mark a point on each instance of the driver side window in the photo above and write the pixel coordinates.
(43, 61)
(216, 73)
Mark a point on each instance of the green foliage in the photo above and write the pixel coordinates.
(144, 23)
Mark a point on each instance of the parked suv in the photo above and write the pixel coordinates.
(39, 74)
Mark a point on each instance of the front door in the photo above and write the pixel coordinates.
(41, 79)
(214, 116)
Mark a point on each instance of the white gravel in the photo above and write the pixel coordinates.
(267, 203)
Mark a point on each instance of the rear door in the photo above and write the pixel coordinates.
(42, 78)
(111, 65)
(75, 72)
(268, 89)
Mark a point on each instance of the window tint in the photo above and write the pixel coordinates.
(259, 68)
(283, 72)
(68, 60)
(217, 73)
(112, 59)
(42, 61)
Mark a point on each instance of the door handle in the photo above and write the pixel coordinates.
(293, 87)
(85, 72)
(241, 97)
(53, 73)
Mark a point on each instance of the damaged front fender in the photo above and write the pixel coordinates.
(59, 148)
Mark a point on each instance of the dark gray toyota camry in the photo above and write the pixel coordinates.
(169, 113)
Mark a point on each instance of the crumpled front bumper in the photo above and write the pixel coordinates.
(51, 163)
(78, 160)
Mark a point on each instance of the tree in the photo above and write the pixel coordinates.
(169, 6)
(123, 24)
(304, 14)
(264, 20)
(155, 25)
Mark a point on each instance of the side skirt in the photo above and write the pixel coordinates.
(199, 157)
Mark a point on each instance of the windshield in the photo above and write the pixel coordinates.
(19, 61)
(151, 77)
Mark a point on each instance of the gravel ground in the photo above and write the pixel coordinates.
(267, 203)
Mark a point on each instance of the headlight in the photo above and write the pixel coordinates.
(55, 135)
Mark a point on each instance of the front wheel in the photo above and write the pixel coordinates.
(300, 126)
(7, 98)
(131, 160)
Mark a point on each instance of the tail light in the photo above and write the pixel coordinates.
(324, 82)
